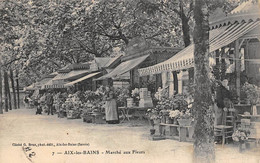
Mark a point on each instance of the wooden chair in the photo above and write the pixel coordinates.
(226, 129)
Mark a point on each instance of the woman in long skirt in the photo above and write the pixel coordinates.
(111, 109)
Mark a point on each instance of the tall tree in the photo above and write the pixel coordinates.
(13, 87)
(204, 151)
(1, 93)
(9, 94)
(17, 89)
(6, 91)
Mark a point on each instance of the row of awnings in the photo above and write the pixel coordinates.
(58, 81)
(124, 67)
(81, 79)
(218, 38)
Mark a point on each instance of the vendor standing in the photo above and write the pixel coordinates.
(223, 99)
(111, 109)
(49, 102)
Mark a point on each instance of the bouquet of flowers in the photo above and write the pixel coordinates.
(121, 95)
(240, 135)
(153, 114)
(174, 114)
(135, 94)
(185, 114)
(252, 92)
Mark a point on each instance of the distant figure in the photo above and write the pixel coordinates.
(26, 101)
(49, 102)
(38, 108)
(111, 110)
(223, 100)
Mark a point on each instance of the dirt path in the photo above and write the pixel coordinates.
(91, 143)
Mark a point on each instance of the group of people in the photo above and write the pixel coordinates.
(47, 100)
(39, 102)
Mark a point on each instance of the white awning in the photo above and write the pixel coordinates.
(218, 38)
(74, 74)
(124, 67)
(81, 79)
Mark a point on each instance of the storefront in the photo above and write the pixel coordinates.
(233, 37)
(139, 54)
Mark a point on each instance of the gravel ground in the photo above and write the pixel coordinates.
(83, 142)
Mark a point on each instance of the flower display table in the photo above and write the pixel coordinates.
(136, 112)
(177, 132)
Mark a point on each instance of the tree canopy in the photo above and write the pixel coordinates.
(41, 36)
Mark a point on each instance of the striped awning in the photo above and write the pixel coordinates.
(124, 67)
(37, 85)
(50, 84)
(218, 38)
(74, 74)
(30, 87)
(81, 79)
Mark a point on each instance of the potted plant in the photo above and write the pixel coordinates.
(122, 94)
(154, 118)
(252, 94)
(185, 118)
(240, 136)
(135, 95)
(174, 114)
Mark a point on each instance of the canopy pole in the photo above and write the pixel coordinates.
(238, 68)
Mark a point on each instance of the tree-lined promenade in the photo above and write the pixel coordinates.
(39, 37)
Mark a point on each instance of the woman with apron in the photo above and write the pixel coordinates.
(111, 109)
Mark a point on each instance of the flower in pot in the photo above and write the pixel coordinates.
(136, 96)
(174, 114)
(185, 118)
(240, 136)
(153, 115)
(252, 92)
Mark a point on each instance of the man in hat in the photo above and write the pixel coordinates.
(49, 102)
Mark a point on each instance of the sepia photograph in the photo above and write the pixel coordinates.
(129, 81)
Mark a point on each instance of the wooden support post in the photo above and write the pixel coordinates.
(246, 51)
(180, 87)
(175, 81)
(223, 65)
(217, 64)
(237, 68)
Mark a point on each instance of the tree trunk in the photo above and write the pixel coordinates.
(204, 151)
(1, 93)
(185, 30)
(5, 90)
(13, 88)
(17, 89)
(185, 25)
(9, 94)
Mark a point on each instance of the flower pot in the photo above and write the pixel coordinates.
(61, 114)
(156, 121)
(175, 121)
(242, 146)
(170, 120)
(163, 120)
(152, 131)
(254, 110)
(87, 118)
(184, 122)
